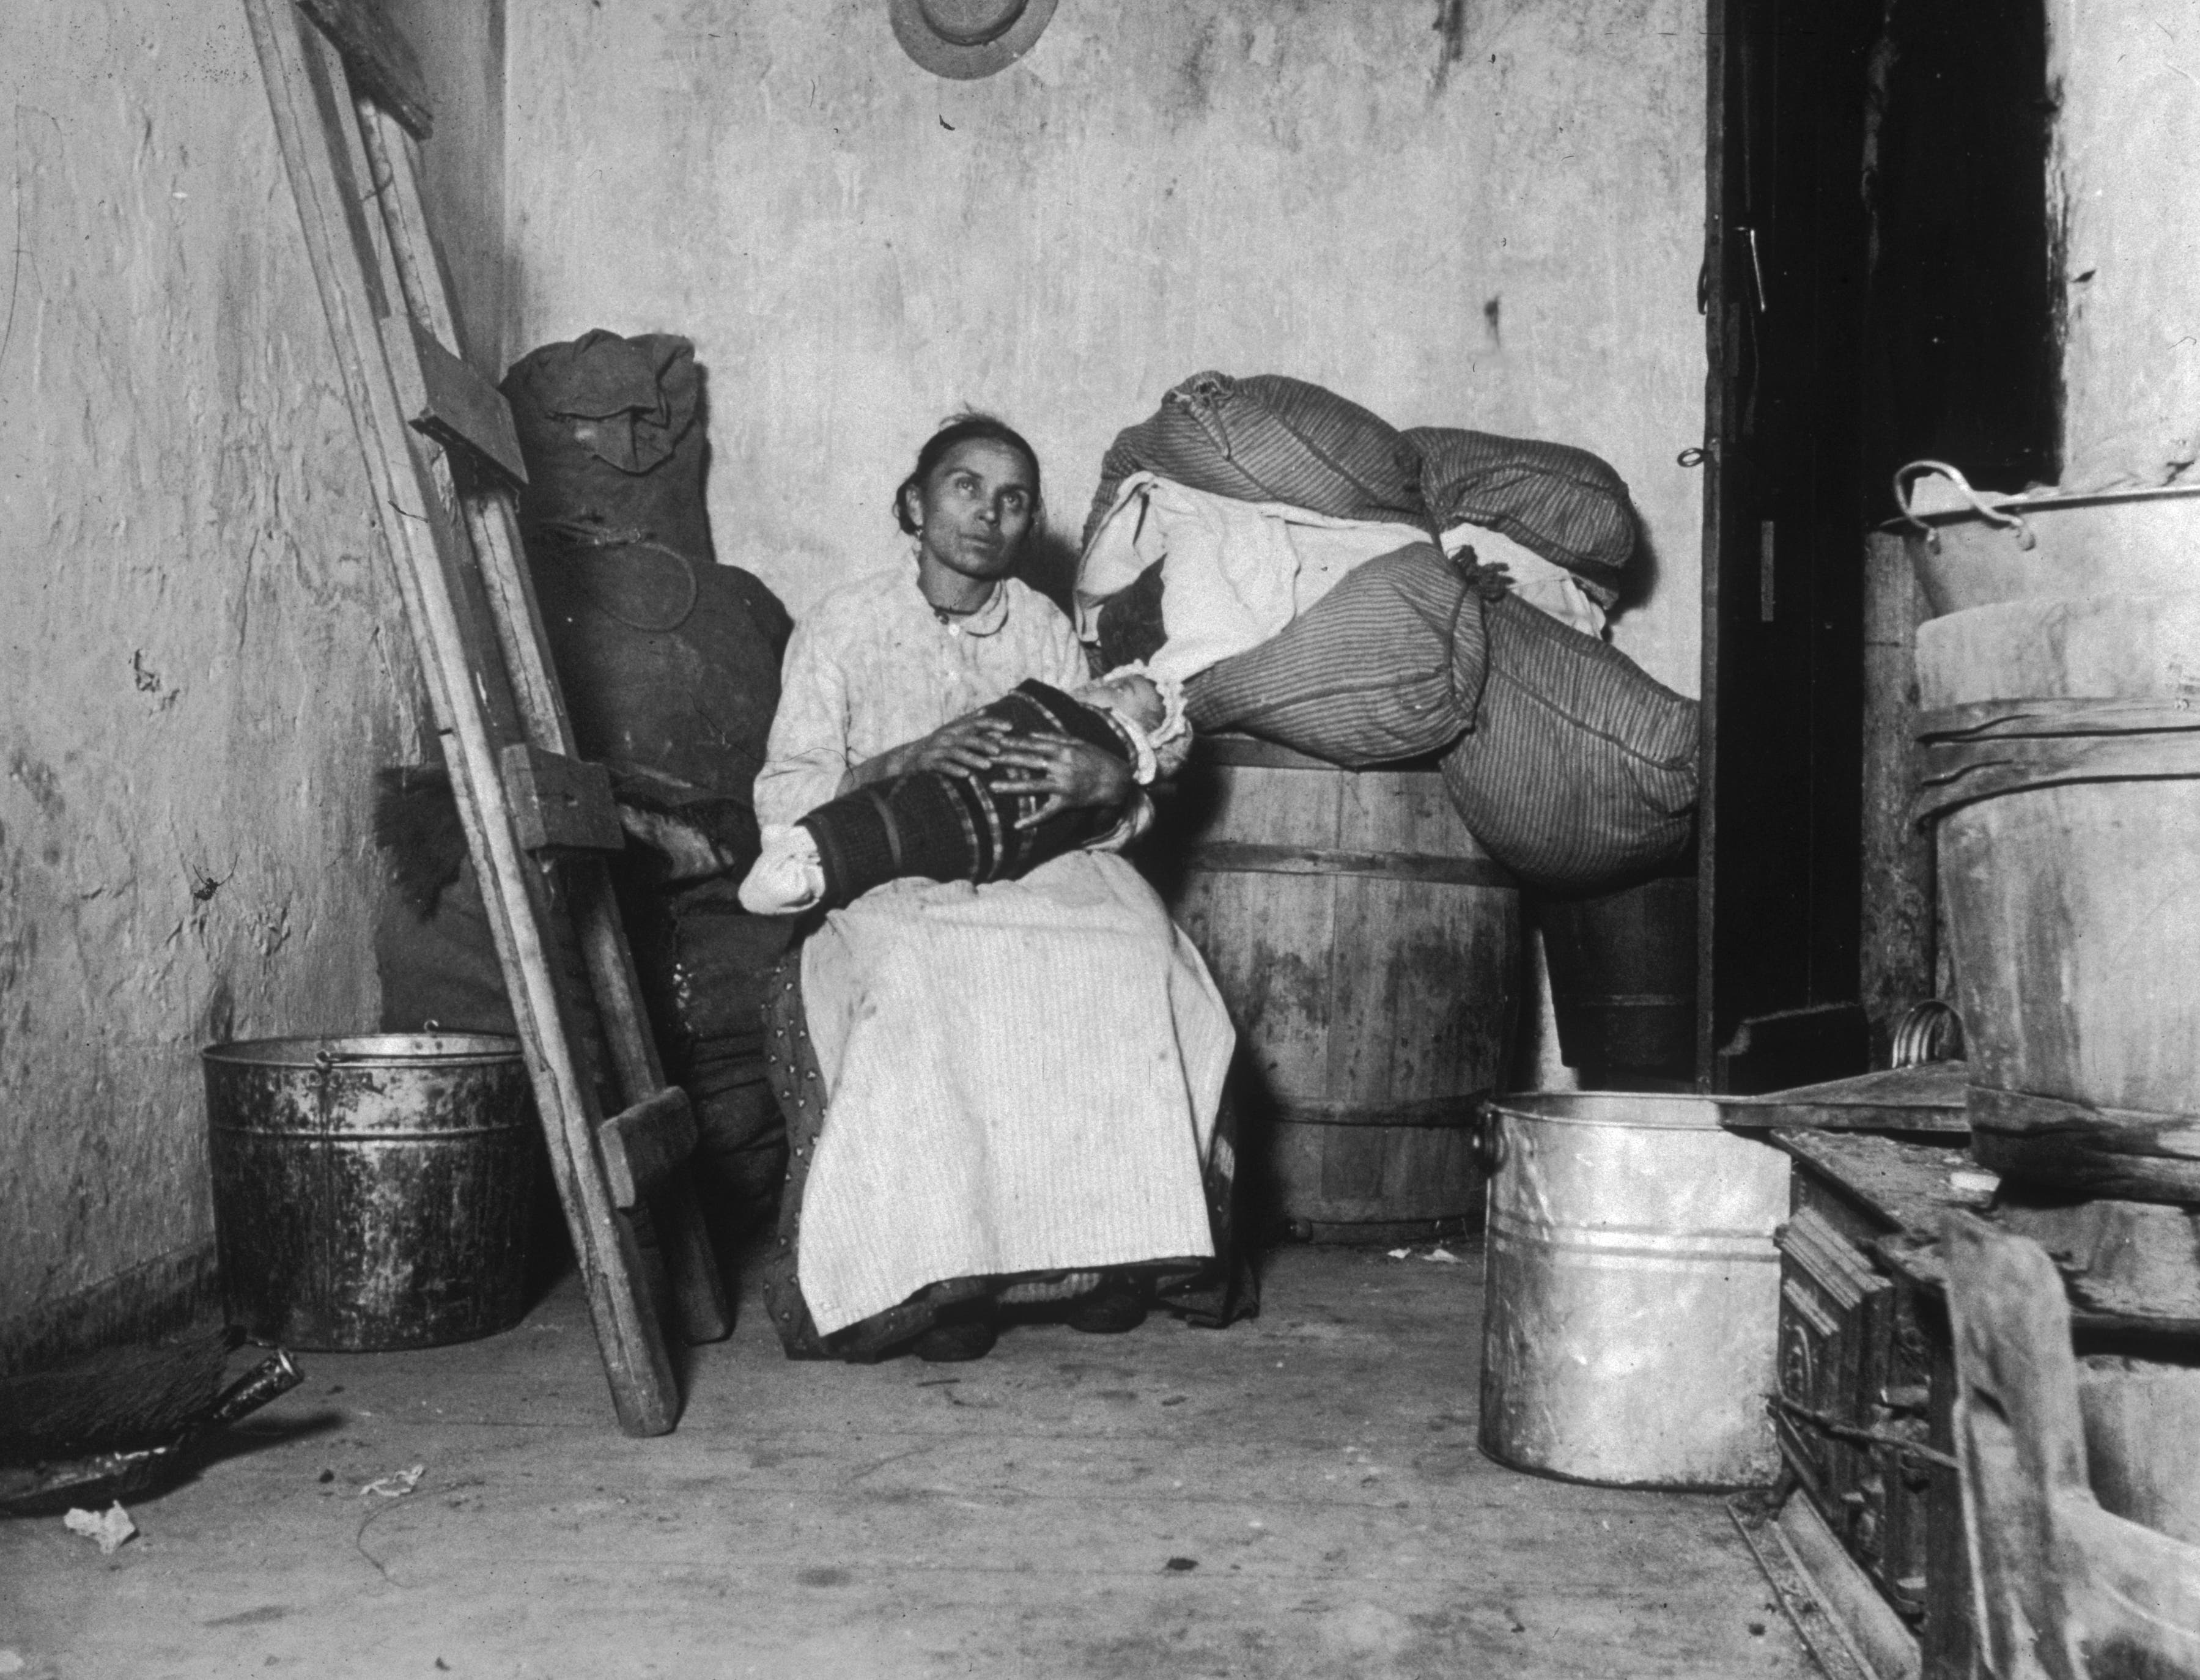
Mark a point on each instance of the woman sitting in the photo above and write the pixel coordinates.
(995, 1092)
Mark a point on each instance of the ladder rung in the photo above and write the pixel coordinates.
(464, 408)
(644, 1145)
(558, 801)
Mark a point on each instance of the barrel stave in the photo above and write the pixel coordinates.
(1368, 951)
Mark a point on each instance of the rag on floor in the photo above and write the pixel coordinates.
(961, 1143)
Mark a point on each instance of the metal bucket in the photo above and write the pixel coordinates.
(371, 1193)
(1971, 550)
(1633, 1292)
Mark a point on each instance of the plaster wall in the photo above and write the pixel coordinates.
(859, 246)
(460, 46)
(2126, 74)
(203, 658)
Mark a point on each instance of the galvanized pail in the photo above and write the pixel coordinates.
(1633, 1292)
(1971, 549)
(371, 1192)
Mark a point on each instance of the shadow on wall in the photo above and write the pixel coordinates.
(1639, 578)
(1050, 566)
(708, 456)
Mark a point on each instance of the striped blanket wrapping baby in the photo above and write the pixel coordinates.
(945, 825)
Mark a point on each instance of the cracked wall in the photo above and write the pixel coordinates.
(2125, 77)
(859, 246)
(204, 658)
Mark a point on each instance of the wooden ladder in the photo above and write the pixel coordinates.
(443, 456)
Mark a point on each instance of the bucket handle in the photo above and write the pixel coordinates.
(1931, 1030)
(1905, 479)
(1488, 1139)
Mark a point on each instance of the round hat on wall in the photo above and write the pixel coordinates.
(969, 39)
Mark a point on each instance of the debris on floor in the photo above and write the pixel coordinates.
(108, 1529)
(396, 1484)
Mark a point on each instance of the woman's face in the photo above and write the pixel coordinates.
(974, 509)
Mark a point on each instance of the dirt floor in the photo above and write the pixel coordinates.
(1297, 1497)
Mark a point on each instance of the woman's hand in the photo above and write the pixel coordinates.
(968, 746)
(1073, 775)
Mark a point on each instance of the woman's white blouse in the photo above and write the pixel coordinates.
(872, 666)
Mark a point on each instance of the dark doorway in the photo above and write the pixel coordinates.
(1876, 289)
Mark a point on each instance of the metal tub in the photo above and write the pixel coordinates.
(1629, 1331)
(371, 1192)
(1973, 549)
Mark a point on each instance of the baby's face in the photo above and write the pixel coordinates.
(1140, 699)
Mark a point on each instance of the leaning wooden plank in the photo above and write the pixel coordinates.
(392, 159)
(2065, 1588)
(698, 1291)
(305, 92)
(569, 904)
(380, 58)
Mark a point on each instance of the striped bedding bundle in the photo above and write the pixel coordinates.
(1562, 503)
(1581, 769)
(1367, 674)
(1268, 438)
(1566, 760)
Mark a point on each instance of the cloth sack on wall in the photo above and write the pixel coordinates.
(1369, 672)
(670, 669)
(670, 662)
(1580, 770)
(1561, 502)
(610, 429)
(1268, 438)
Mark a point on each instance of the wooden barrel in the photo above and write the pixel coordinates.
(1623, 970)
(1369, 952)
(2069, 851)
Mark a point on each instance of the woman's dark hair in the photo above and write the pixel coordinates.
(967, 428)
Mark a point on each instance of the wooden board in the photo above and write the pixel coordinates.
(2065, 1587)
(1906, 1186)
(347, 139)
(1928, 1097)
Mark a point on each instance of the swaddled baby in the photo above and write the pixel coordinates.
(949, 827)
